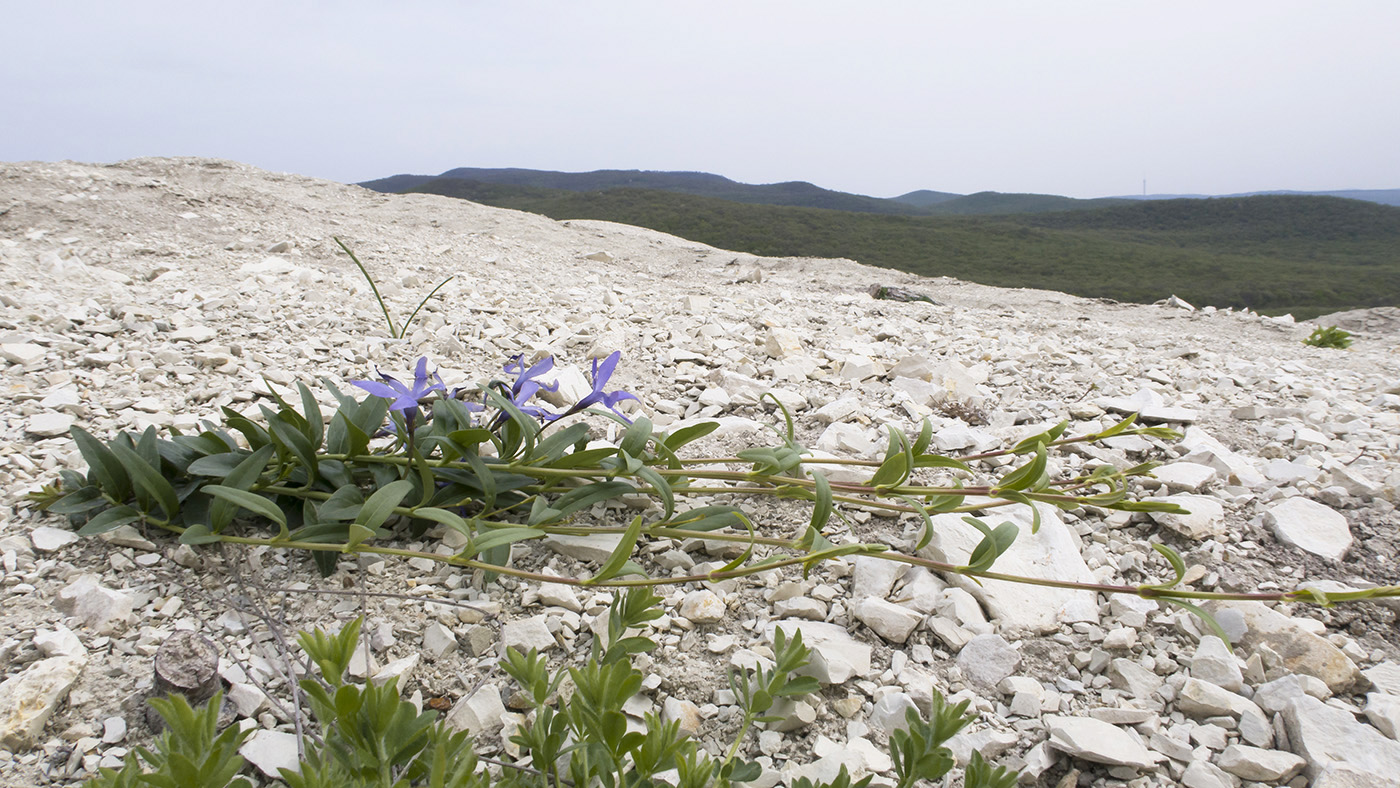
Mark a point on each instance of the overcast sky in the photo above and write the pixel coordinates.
(1067, 97)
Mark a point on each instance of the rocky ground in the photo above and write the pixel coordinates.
(155, 291)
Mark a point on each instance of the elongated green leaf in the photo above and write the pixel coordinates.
(1178, 566)
(106, 469)
(241, 477)
(662, 487)
(551, 448)
(217, 465)
(1117, 428)
(499, 537)
(357, 535)
(1028, 476)
(83, 500)
(995, 541)
(788, 432)
(894, 471)
(1044, 438)
(444, 517)
(588, 458)
(314, 421)
(287, 435)
(344, 504)
(685, 435)
(1214, 625)
(148, 479)
(821, 512)
(615, 562)
(634, 440)
(925, 437)
(256, 436)
(381, 504)
(926, 533)
(198, 534)
(485, 478)
(582, 498)
(938, 461)
(252, 502)
(110, 520)
(706, 518)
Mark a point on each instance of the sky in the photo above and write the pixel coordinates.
(1074, 97)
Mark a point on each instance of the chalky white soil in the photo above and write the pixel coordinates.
(156, 291)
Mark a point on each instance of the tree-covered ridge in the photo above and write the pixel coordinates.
(798, 194)
(1306, 255)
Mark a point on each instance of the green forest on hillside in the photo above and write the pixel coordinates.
(1305, 255)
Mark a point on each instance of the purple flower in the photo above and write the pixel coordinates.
(610, 400)
(405, 398)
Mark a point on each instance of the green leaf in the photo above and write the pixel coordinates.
(498, 537)
(553, 447)
(662, 488)
(286, 434)
(613, 566)
(1028, 476)
(821, 512)
(110, 520)
(79, 501)
(444, 517)
(1045, 438)
(381, 504)
(1117, 428)
(706, 518)
(198, 534)
(344, 504)
(939, 461)
(241, 477)
(927, 533)
(1178, 566)
(925, 437)
(899, 461)
(634, 440)
(252, 502)
(580, 498)
(994, 543)
(1214, 625)
(148, 479)
(106, 469)
(356, 535)
(685, 435)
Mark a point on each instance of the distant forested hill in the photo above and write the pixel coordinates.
(1307, 255)
(798, 194)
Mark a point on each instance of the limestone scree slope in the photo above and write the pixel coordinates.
(157, 291)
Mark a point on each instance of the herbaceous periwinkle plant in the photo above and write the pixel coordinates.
(500, 468)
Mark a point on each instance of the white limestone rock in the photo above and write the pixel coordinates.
(1310, 526)
(48, 540)
(988, 659)
(272, 751)
(479, 713)
(1185, 476)
(703, 607)
(1205, 517)
(1051, 552)
(1302, 651)
(1099, 742)
(1213, 662)
(1323, 735)
(101, 609)
(1383, 711)
(49, 424)
(894, 623)
(524, 634)
(29, 698)
(836, 656)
